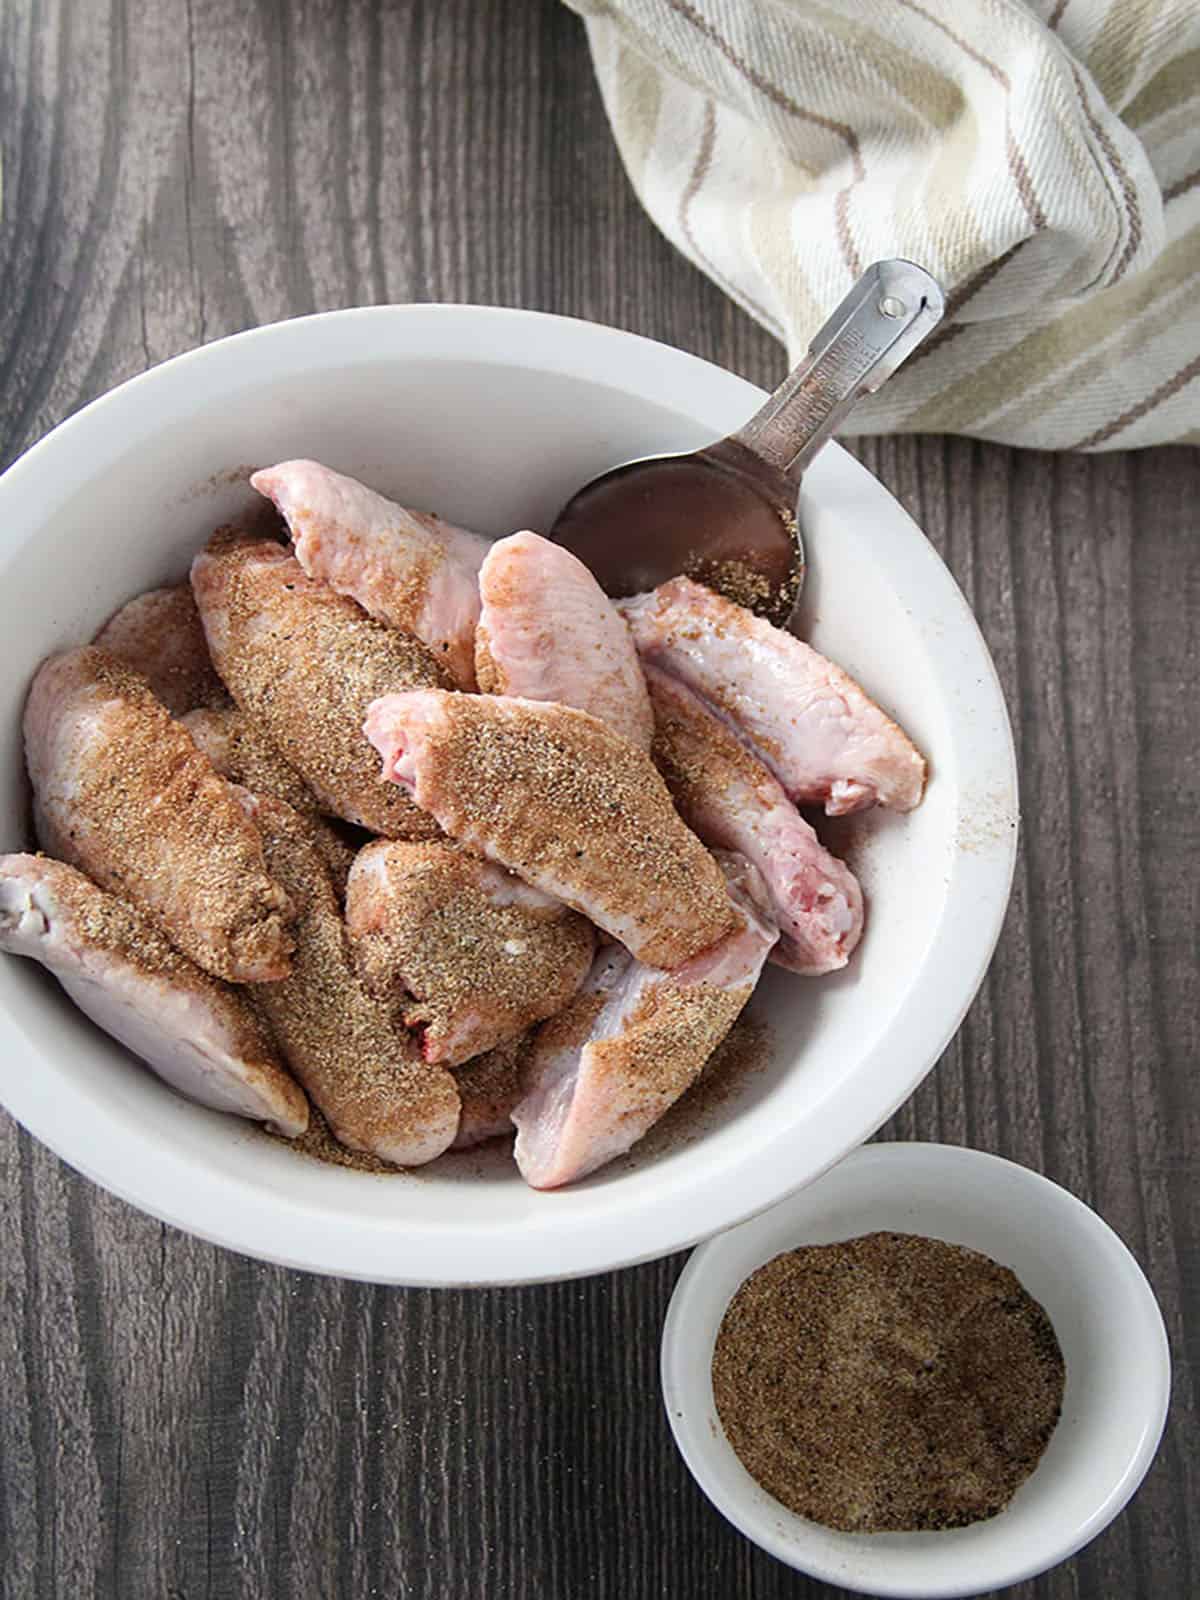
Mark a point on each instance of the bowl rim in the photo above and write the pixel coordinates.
(694, 1310)
(176, 1188)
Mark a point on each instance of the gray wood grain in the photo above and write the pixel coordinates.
(178, 1422)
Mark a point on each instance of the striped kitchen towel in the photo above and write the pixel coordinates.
(1041, 158)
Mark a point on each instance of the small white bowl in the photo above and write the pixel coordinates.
(492, 418)
(1104, 1313)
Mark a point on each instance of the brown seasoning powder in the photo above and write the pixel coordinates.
(241, 752)
(357, 1065)
(744, 1052)
(749, 585)
(317, 1143)
(159, 635)
(887, 1383)
(558, 796)
(151, 820)
(428, 922)
(304, 663)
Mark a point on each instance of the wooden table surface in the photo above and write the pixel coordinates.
(178, 1422)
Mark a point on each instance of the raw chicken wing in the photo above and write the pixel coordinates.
(406, 568)
(821, 736)
(726, 794)
(160, 635)
(569, 805)
(198, 1034)
(475, 955)
(604, 1071)
(361, 1068)
(548, 631)
(122, 792)
(304, 664)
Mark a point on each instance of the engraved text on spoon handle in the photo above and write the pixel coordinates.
(889, 311)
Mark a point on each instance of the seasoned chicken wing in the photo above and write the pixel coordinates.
(548, 631)
(567, 804)
(603, 1071)
(489, 1086)
(406, 568)
(122, 792)
(159, 634)
(304, 664)
(726, 794)
(197, 1033)
(821, 736)
(361, 1068)
(476, 956)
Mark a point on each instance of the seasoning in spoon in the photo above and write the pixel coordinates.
(887, 1383)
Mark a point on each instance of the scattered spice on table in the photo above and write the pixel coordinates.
(889, 1382)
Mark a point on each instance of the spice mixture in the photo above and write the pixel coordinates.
(563, 800)
(304, 663)
(475, 960)
(889, 1382)
(747, 584)
(744, 1052)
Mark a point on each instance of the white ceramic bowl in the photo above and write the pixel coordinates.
(1104, 1313)
(492, 417)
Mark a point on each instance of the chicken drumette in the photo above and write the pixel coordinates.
(160, 635)
(725, 793)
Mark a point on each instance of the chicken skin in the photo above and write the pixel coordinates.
(548, 631)
(825, 741)
(197, 1033)
(475, 955)
(304, 663)
(489, 1087)
(240, 753)
(600, 1074)
(361, 1068)
(122, 792)
(570, 806)
(408, 569)
(729, 798)
(160, 635)
(235, 745)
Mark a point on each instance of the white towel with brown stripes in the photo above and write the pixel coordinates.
(1041, 158)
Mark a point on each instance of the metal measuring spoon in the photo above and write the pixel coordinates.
(726, 515)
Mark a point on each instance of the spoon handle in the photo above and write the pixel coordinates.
(889, 311)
